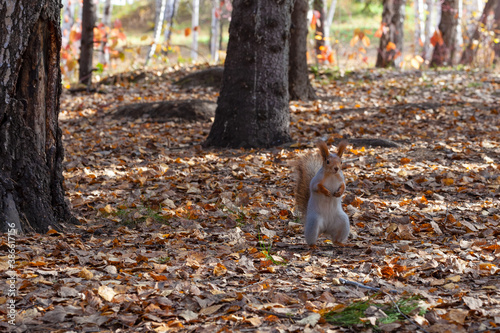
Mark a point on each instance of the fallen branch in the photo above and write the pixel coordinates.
(360, 285)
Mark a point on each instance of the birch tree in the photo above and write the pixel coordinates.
(170, 11)
(329, 21)
(428, 29)
(195, 22)
(106, 21)
(419, 24)
(214, 30)
(471, 49)
(160, 14)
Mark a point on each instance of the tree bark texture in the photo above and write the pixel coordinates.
(470, 51)
(252, 107)
(31, 152)
(87, 42)
(444, 52)
(298, 75)
(391, 41)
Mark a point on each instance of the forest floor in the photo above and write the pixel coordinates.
(176, 237)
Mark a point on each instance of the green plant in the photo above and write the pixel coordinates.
(240, 216)
(265, 249)
(352, 314)
(163, 260)
(133, 217)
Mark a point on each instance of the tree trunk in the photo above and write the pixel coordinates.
(87, 42)
(252, 107)
(170, 12)
(160, 12)
(459, 40)
(298, 75)
(329, 20)
(391, 41)
(214, 30)
(31, 152)
(68, 20)
(428, 29)
(496, 29)
(319, 7)
(106, 21)
(195, 22)
(444, 52)
(419, 25)
(471, 49)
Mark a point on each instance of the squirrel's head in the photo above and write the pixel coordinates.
(332, 163)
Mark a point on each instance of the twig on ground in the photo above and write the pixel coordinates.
(360, 285)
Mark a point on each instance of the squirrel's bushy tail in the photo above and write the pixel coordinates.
(306, 168)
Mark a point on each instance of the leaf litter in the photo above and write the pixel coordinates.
(174, 237)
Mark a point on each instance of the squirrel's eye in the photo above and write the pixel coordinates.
(327, 161)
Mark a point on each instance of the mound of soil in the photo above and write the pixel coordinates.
(211, 77)
(181, 110)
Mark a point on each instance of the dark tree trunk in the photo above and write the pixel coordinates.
(391, 41)
(87, 42)
(252, 107)
(470, 51)
(444, 52)
(298, 74)
(31, 152)
(319, 6)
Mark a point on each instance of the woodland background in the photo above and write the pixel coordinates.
(169, 235)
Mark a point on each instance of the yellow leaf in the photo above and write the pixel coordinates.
(85, 274)
(366, 41)
(354, 40)
(414, 63)
(220, 270)
(108, 209)
(448, 181)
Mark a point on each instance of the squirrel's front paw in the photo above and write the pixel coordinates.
(322, 189)
(340, 191)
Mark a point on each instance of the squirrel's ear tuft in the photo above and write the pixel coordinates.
(323, 149)
(341, 147)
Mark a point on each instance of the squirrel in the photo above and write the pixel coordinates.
(318, 194)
